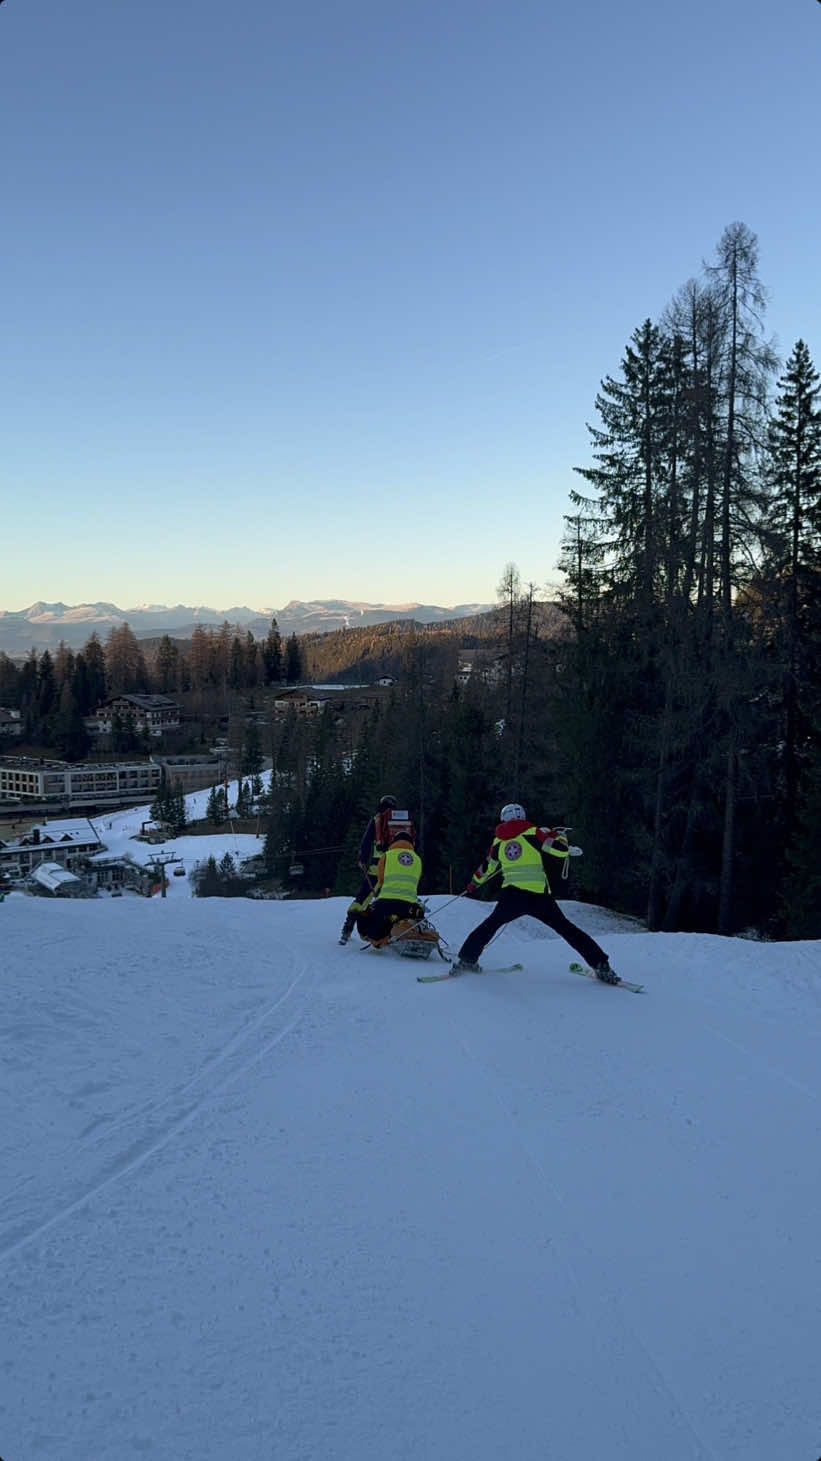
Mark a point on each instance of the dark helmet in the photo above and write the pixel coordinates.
(387, 803)
(405, 835)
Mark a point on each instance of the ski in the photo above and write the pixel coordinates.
(591, 974)
(451, 974)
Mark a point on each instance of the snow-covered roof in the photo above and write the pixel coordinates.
(51, 875)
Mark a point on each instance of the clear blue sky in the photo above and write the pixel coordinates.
(313, 300)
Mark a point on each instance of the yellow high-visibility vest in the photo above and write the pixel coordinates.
(521, 864)
(403, 869)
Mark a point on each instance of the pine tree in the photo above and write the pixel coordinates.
(94, 657)
(251, 759)
(294, 667)
(272, 655)
(215, 809)
(166, 666)
(794, 544)
(71, 739)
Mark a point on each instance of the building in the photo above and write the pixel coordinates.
(302, 701)
(193, 772)
(153, 714)
(68, 844)
(465, 666)
(52, 880)
(11, 723)
(122, 874)
(38, 782)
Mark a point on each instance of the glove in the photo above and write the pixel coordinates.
(470, 889)
(575, 851)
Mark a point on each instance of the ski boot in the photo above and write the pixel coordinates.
(347, 929)
(465, 966)
(605, 973)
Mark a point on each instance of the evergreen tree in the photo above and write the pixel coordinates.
(177, 814)
(243, 803)
(252, 759)
(71, 739)
(94, 657)
(81, 686)
(294, 666)
(794, 550)
(9, 683)
(46, 694)
(166, 666)
(206, 879)
(216, 810)
(160, 809)
(802, 889)
(272, 655)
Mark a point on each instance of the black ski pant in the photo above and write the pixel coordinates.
(377, 921)
(515, 903)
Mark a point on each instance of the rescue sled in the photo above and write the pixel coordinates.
(412, 939)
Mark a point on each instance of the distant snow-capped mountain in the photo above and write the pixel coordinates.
(43, 625)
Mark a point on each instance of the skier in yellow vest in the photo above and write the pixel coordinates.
(383, 825)
(396, 893)
(523, 852)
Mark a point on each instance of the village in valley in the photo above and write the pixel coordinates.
(96, 828)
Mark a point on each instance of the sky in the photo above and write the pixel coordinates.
(264, 1196)
(317, 288)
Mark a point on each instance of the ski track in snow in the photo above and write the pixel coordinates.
(156, 1123)
(523, 1215)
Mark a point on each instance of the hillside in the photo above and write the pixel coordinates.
(380, 649)
(266, 1197)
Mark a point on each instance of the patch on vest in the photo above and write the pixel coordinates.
(406, 859)
(513, 851)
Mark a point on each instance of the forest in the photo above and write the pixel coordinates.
(665, 703)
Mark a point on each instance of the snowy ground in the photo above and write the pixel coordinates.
(266, 1197)
(117, 831)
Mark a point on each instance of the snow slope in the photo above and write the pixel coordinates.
(266, 1197)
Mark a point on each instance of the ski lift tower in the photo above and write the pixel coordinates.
(159, 864)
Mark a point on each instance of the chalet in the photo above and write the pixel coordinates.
(153, 714)
(68, 844)
(302, 701)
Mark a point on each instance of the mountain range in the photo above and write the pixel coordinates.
(44, 625)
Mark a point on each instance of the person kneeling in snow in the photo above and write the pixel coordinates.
(396, 894)
(521, 851)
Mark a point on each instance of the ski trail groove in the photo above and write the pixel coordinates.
(165, 1118)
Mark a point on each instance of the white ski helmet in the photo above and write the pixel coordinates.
(513, 812)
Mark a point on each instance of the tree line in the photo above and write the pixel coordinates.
(675, 721)
(55, 692)
(694, 588)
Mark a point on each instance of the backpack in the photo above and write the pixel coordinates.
(393, 823)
